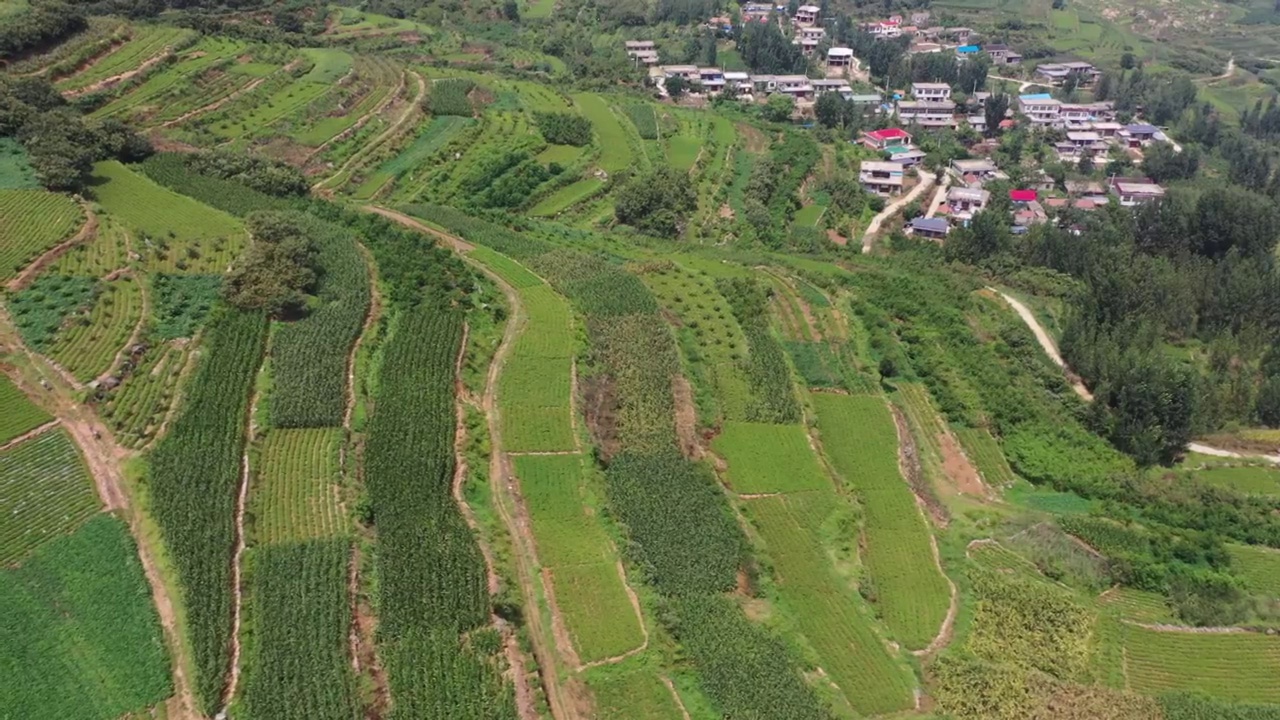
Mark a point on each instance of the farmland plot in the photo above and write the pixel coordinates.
(45, 492)
(912, 596)
(767, 458)
(88, 346)
(615, 145)
(582, 560)
(296, 493)
(534, 390)
(105, 252)
(148, 41)
(186, 83)
(173, 232)
(80, 637)
(632, 694)
(1259, 566)
(137, 408)
(1239, 666)
(20, 414)
(1257, 480)
(32, 222)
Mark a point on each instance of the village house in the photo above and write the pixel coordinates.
(907, 156)
(965, 52)
(712, 79)
(977, 172)
(807, 15)
(738, 81)
(1002, 54)
(840, 57)
(927, 113)
(931, 91)
(930, 33)
(1135, 191)
(643, 51)
(833, 85)
(963, 203)
(809, 38)
(920, 17)
(1057, 73)
(977, 122)
(885, 29)
(1041, 109)
(1139, 135)
(961, 35)
(756, 11)
(932, 228)
(923, 48)
(882, 178)
(1107, 129)
(886, 139)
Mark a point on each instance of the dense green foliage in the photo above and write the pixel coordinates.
(564, 128)
(430, 572)
(193, 477)
(309, 355)
(773, 397)
(450, 97)
(267, 176)
(278, 270)
(40, 310)
(298, 665)
(81, 638)
(41, 24)
(1191, 706)
(180, 303)
(657, 202)
(176, 172)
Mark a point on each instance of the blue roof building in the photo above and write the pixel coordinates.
(968, 50)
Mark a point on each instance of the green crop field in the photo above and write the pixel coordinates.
(1259, 566)
(20, 414)
(87, 346)
(137, 408)
(567, 197)
(295, 491)
(1257, 480)
(1137, 605)
(859, 436)
(683, 151)
(984, 452)
(105, 252)
(32, 222)
(534, 389)
(180, 86)
(562, 154)
(433, 137)
(539, 8)
(81, 638)
(835, 622)
(631, 694)
(1240, 666)
(45, 492)
(16, 172)
(615, 150)
(173, 233)
(767, 458)
(149, 41)
(330, 65)
(582, 560)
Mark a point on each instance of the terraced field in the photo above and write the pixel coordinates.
(89, 345)
(767, 458)
(148, 42)
(137, 409)
(296, 490)
(615, 146)
(534, 389)
(31, 223)
(1237, 666)
(200, 76)
(859, 436)
(45, 492)
(1259, 566)
(20, 414)
(174, 233)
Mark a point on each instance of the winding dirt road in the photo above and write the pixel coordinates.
(869, 237)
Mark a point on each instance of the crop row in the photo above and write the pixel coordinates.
(20, 414)
(165, 90)
(148, 41)
(309, 356)
(138, 406)
(773, 397)
(31, 222)
(297, 667)
(431, 574)
(985, 453)
(82, 638)
(295, 496)
(101, 254)
(88, 346)
(859, 437)
(766, 458)
(45, 491)
(102, 34)
(1234, 666)
(194, 473)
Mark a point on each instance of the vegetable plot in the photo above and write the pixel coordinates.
(20, 414)
(45, 491)
(32, 222)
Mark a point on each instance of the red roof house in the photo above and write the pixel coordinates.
(1022, 195)
(884, 139)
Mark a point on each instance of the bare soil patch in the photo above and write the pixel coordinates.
(958, 469)
(686, 418)
(909, 464)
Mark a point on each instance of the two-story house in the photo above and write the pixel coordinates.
(963, 203)
(1040, 108)
(887, 139)
(927, 113)
(939, 92)
(882, 178)
(840, 57)
(1135, 191)
(807, 15)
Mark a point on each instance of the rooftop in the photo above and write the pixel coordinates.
(880, 166)
(930, 224)
(931, 86)
(840, 52)
(888, 134)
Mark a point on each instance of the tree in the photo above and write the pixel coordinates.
(657, 202)
(994, 111)
(830, 110)
(511, 10)
(676, 86)
(1268, 403)
(1128, 61)
(778, 108)
(1162, 163)
(986, 236)
(278, 269)
(1085, 166)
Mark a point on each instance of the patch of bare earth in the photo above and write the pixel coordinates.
(686, 418)
(958, 469)
(909, 464)
(837, 238)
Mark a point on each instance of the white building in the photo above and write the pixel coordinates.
(807, 15)
(931, 91)
(881, 178)
(840, 57)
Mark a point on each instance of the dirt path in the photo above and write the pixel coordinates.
(1220, 452)
(87, 232)
(237, 564)
(253, 85)
(1231, 70)
(1046, 342)
(945, 633)
(103, 457)
(30, 434)
(675, 696)
(564, 706)
(869, 237)
(940, 196)
(460, 465)
(399, 124)
(114, 80)
(371, 317)
(1022, 84)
